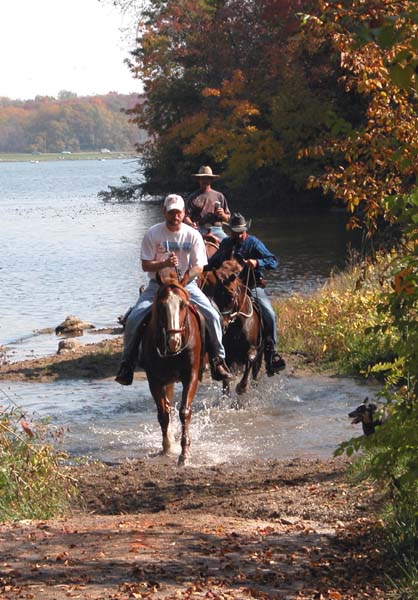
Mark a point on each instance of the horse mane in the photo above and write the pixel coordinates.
(228, 268)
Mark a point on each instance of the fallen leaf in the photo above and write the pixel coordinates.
(26, 428)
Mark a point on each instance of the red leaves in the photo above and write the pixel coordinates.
(26, 428)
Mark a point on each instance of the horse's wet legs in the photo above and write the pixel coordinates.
(242, 386)
(163, 396)
(189, 390)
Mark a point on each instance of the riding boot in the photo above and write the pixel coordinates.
(125, 374)
(274, 362)
(219, 369)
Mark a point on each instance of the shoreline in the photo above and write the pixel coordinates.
(96, 360)
(6, 157)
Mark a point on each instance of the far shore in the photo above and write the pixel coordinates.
(35, 157)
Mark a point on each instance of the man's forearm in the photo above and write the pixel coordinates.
(195, 272)
(152, 266)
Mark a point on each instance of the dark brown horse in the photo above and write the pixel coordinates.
(172, 349)
(242, 321)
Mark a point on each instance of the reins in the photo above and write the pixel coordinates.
(239, 312)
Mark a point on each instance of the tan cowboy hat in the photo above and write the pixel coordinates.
(205, 172)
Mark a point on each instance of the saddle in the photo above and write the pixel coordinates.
(212, 240)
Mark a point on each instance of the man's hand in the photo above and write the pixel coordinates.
(250, 262)
(221, 214)
(172, 260)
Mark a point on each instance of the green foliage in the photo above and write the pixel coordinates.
(33, 484)
(128, 192)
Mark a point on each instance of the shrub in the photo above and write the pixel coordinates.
(33, 483)
(328, 326)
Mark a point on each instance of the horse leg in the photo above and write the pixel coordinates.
(226, 389)
(257, 364)
(242, 386)
(185, 413)
(163, 396)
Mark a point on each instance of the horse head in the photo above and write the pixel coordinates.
(227, 284)
(170, 313)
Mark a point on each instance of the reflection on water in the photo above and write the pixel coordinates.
(282, 417)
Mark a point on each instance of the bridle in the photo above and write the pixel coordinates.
(183, 330)
(236, 308)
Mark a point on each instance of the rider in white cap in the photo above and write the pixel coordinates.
(174, 244)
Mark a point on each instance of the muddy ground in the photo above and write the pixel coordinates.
(148, 529)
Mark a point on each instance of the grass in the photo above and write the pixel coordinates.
(50, 156)
(33, 482)
(328, 326)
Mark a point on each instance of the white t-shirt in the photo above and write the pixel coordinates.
(187, 244)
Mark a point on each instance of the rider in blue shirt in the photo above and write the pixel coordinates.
(250, 252)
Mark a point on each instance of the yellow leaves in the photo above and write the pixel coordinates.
(190, 126)
(207, 92)
(330, 324)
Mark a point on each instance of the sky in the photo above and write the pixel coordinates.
(51, 45)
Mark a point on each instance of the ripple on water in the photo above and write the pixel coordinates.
(281, 417)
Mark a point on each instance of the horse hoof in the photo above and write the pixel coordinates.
(183, 461)
(241, 389)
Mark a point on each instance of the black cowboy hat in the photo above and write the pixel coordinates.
(237, 223)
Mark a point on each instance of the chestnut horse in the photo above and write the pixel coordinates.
(172, 351)
(243, 329)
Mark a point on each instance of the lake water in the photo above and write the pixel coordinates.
(63, 251)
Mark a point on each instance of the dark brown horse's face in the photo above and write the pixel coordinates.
(173, 305)
(226, 291)
(227, 284)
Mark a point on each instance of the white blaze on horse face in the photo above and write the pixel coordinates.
(173, 322)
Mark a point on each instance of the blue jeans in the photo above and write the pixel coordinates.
(215, 229)
(268, 314)
(143, 307)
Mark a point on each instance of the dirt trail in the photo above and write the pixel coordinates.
(147, 529)
(273, 530)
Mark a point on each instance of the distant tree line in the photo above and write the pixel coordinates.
(68, 123)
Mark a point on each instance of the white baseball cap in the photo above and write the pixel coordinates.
(174, 202)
